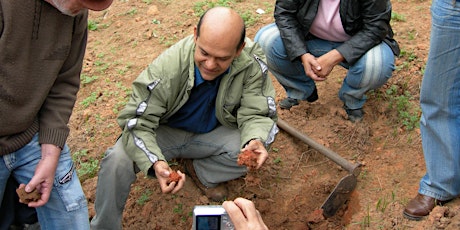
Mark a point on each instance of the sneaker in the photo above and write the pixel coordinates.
(288, 102)
(354, 115)
(217, 194)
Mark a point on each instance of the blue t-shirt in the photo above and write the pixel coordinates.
(198, 115)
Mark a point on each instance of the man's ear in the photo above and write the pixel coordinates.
(238, 52)
(195, 33)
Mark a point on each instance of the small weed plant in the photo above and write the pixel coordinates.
(144, 197)
(87, 167)
(408, 113)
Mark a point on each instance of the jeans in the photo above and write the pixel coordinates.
(215, 157)
(67, 206)
(371, 71)
(440, 103)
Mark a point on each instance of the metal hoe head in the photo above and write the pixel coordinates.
(339, 195)
(346, 185)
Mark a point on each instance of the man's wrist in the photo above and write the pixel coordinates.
(256, 139)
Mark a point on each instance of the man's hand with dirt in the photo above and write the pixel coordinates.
(44, 175)
(257, 147)
(162, 172)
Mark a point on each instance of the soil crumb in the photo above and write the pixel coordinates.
(174, 177)
(248, 158)
(26, 197)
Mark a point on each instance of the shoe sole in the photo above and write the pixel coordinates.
(412, 217)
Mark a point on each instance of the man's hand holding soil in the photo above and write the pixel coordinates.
(258, 148)
(43, 179)
(163, 172)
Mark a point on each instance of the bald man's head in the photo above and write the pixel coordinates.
(223, 21)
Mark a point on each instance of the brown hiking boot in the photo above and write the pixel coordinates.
(217, 194)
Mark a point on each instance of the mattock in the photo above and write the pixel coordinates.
(346, 185)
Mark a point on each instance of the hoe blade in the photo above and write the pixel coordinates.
(339, 195)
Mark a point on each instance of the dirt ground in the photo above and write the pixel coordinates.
(296, 179)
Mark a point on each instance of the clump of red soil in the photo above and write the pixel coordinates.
(174, 177)
(316, 216)
(248, 158)
(26, 197)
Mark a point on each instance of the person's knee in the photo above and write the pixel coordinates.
(117, 165)
(369, 76)
(379, 66)
(268, 38)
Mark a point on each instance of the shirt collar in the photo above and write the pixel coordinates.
(199, 79)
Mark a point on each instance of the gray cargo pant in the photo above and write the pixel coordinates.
(215, 157)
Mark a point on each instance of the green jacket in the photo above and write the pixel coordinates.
(245, 100)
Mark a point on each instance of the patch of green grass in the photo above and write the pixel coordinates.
(412, 34)
(268, 7)
(397, 17)
(101, 66)
(144, 197)
(87, 167)
(366, 222)
(92, 25)
(123, 70)
(89, 100)
(178, 209)
(131, 12)
(95, 25)
(168, 40)
(404, 104)
(277, 160)
(200, 7)
(408, 58)
(85, 79)
(383, 203)
(249, 18)
(120, 95)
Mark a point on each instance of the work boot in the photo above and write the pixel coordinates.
(217, 194)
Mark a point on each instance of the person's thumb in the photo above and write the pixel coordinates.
(165, 173)
(32, 185)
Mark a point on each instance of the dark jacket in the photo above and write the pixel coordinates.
(41, 56)
(366, 21)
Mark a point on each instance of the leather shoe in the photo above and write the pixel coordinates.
(217, 194)
(420, 207)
